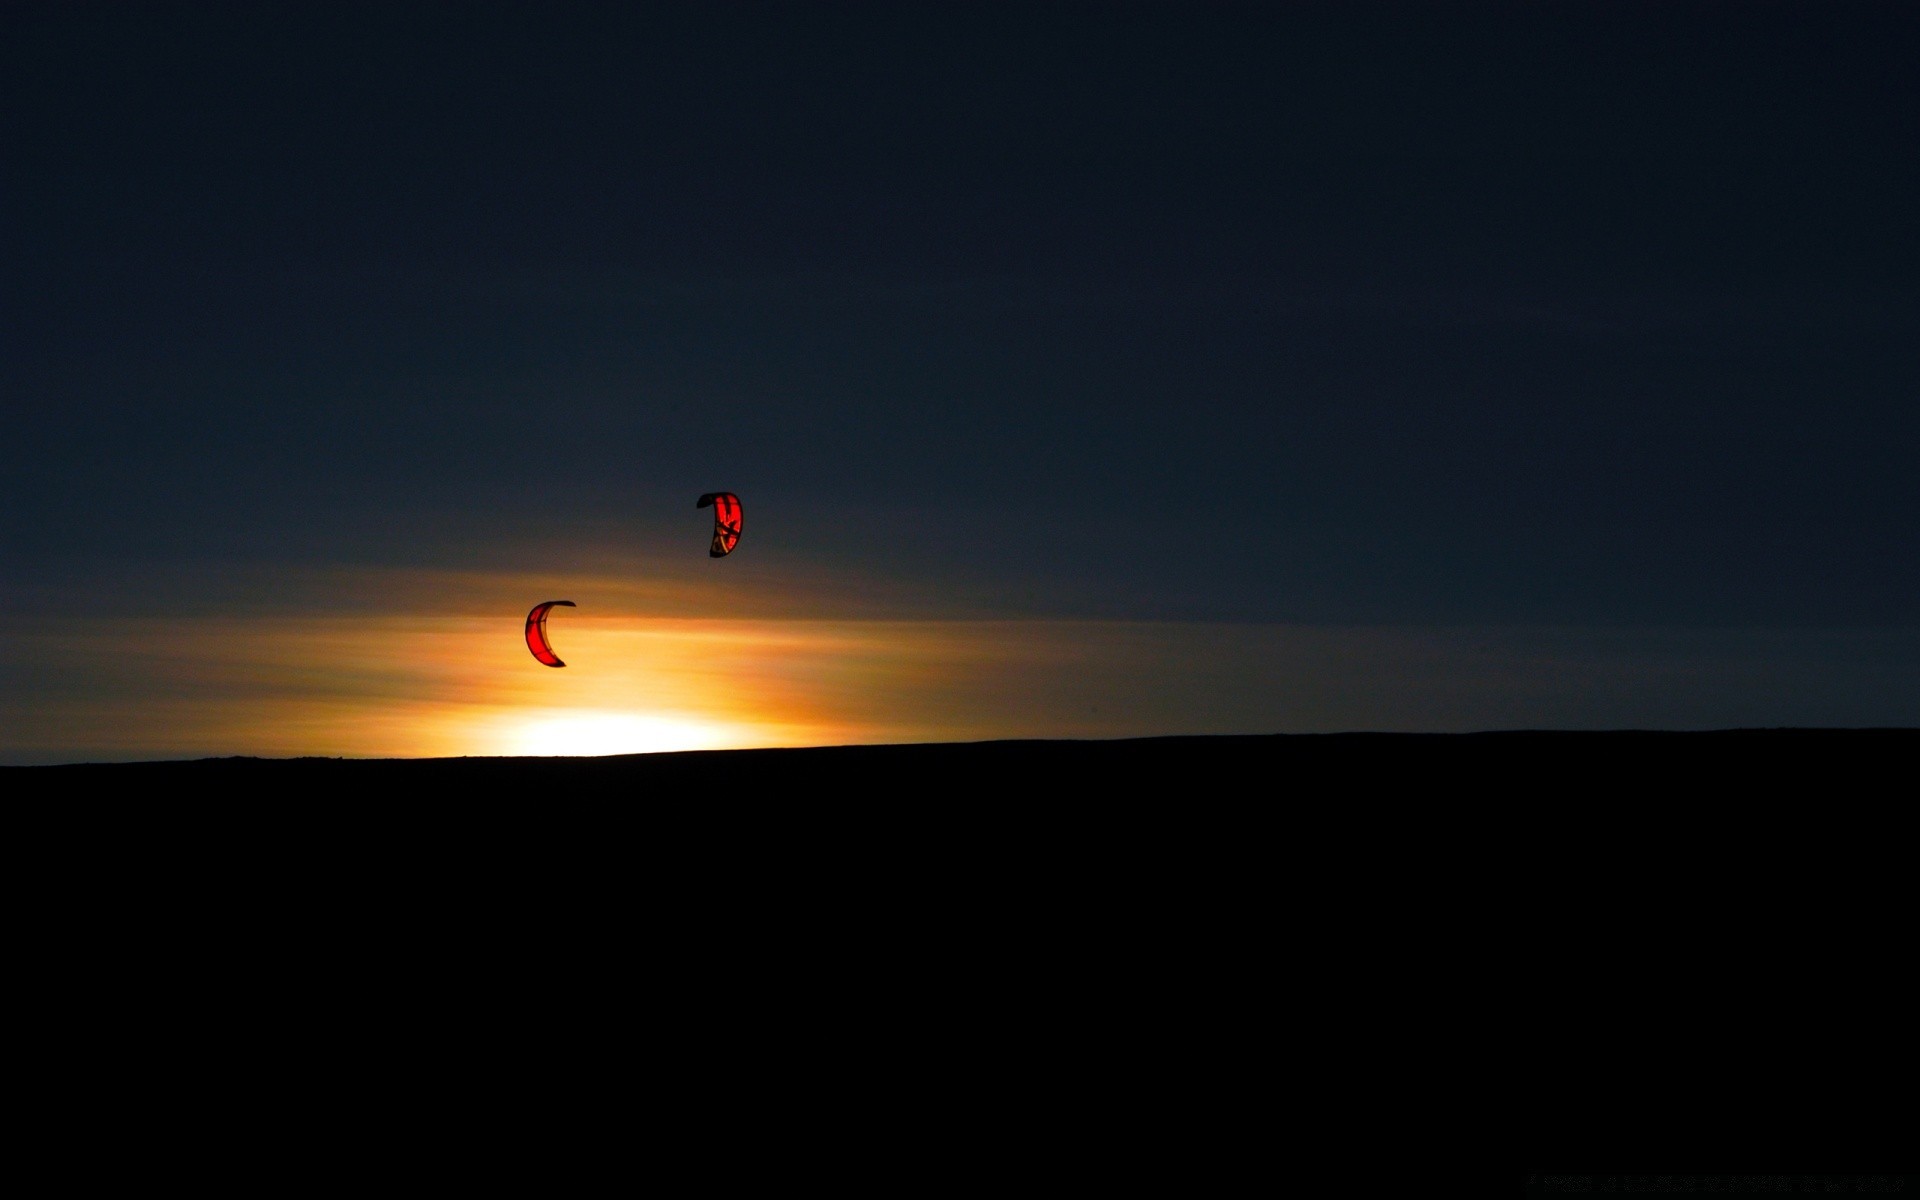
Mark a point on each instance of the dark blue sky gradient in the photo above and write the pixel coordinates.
(1550, 313)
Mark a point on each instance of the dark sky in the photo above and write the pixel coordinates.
(1548, 313)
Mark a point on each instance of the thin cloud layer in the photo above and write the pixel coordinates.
(430, 676)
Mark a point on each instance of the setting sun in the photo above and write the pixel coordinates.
(590, 732)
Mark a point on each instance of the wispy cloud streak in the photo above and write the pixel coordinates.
(438, 679)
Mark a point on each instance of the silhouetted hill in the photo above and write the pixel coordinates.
(1161, 923)
(1515, 764)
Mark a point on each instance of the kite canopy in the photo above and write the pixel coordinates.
(726, 522)
(537, 632)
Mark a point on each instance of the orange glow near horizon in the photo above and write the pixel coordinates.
(591, 732)
(413, 686)
(632, 685)
(445, 672)
(429, 687)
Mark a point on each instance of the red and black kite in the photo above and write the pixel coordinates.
(726, 522)
(537, 632)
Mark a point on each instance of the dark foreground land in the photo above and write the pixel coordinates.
(1145, 945)
(1198, 816)
(1519, 764)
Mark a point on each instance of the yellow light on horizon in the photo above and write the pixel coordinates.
(410, 685)
(594, 733)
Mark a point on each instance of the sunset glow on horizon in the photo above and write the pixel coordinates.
(591, 732)
(421, 685)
